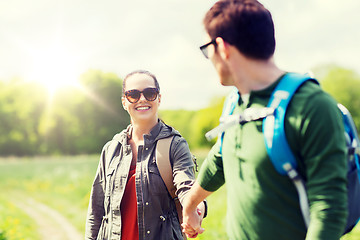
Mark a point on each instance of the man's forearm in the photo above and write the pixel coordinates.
(195, 196)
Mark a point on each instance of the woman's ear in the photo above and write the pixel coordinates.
(123, 103)
(159, 98)
(222, 48)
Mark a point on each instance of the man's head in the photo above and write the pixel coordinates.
(245, 24)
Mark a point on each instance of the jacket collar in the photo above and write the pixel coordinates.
(159, 131)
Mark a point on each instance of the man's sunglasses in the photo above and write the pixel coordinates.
(133, 95)
(204, 47)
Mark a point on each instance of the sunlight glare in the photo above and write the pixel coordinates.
(54, 67)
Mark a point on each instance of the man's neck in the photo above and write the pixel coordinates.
(254, 75)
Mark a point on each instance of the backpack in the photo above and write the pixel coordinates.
(278, 148)
(166, 173)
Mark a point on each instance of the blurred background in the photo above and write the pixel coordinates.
(61, 70)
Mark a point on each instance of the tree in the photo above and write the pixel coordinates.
(75, 120)
(205, 120)
(21, 104)
(181, 120)
(194, 124)
(344, 85)
(84, 118)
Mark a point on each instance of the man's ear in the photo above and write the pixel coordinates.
(222, 48)
(159, 98)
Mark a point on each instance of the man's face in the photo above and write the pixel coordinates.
(220, 64)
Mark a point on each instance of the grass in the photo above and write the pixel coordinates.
(354, 234)
(214, 223)
(14, 224)
(64, 184)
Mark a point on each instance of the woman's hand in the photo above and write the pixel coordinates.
(192, 227)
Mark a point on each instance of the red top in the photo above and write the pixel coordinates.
(128, 208)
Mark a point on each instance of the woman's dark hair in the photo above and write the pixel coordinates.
(141, 72)
(245, 24)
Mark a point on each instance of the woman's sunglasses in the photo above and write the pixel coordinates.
(133, 95)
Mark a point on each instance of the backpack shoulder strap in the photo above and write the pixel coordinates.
(163, 163)
(228, 109)
(273, 126)
(276, 144)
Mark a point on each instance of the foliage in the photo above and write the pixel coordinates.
(344, 85)
(88, 116)
(194, 124)
(2, 235)
(74, 120)
(21, 105)
(181, 121)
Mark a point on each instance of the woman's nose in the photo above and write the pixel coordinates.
(142, 97)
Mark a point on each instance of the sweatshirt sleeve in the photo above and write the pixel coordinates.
(323, 150)
(211, 175)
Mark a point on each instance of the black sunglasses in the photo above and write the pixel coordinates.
(133, 95)
(204, 49)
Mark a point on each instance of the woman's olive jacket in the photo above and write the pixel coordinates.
(157, 215)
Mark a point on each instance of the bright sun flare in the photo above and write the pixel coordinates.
(54, 67)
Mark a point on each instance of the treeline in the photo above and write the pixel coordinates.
(344, 85)
(194, 124)
(80, 119)
(75, 120)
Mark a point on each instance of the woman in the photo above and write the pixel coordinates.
(129, 199)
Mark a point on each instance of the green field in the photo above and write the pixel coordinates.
(63, 183)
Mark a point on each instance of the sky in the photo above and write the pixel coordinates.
(55, 41)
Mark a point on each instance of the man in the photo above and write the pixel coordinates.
(262, 204)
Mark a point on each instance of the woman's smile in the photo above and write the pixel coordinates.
(142, 108)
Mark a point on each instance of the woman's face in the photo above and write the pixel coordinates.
(144, 110)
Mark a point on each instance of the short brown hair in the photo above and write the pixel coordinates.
(245, 24)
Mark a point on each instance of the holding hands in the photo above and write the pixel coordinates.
(192, 220)
(194, 210)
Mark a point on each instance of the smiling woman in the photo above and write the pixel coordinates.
(54, 67)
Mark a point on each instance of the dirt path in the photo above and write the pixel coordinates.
(51, 224)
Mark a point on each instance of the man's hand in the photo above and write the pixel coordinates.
(192, 225)
(193, 211)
